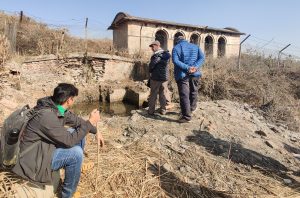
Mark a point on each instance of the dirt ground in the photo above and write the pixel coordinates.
(228, 150)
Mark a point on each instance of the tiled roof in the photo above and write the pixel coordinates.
(121, 17)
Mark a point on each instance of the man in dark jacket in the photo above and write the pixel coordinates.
(159, 75)
(187, 59)
(46, 144)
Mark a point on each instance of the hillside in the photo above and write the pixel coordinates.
(30, 37)
(242, 142)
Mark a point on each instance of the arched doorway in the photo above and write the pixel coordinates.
(209, 46)
(178, 34)
(195, 39)
(221, 47)
(162, 37)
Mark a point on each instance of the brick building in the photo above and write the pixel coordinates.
(135, 33)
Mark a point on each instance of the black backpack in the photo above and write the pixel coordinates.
(11, 134)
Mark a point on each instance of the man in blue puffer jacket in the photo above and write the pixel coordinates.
(187, 59)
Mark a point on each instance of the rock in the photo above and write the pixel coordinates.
(248, 168)
(193, 176)
(168, 167)
(116, 145)
(222, 110)
(260, 118)
(296, 155)
(248, 108)
(274, 130)
(188, 168)
(293, 139)
(171, 139)
(184, 146)
(261, 133)
(237, 169)
(209, 127)
(182, 138)
(289, 172)
(122, 139)
(125, 133)
(182, 169)
(287, 181)
(173, 143)
(134, 117)
(134, 136)
(176, 148)
(269, 144)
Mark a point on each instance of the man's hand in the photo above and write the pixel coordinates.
(94, 117)
(192, 70)
(100, 139)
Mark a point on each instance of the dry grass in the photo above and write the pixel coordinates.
(123, 173)
(9, 182)
(274, 90)
(139, 171)
(35, 38)
(4, 49)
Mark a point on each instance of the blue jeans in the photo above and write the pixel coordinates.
(82, 142)
(71, 160)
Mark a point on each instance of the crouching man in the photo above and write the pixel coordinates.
(47, 145)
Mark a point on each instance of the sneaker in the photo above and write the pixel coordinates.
(183, 120)
(148, 113)
(151, 115)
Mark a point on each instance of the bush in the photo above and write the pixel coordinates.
(271, 89)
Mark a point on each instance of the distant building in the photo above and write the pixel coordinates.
(134, 34)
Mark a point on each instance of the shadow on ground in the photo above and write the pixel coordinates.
(157, 116)
(174, 187)
(240, 155)
(292, 149)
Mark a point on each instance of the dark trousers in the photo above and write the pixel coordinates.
(188, 95)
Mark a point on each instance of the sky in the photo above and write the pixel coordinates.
(272, 23)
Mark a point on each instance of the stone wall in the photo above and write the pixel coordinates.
(97, 67)
(40, 75)
(99, 77)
